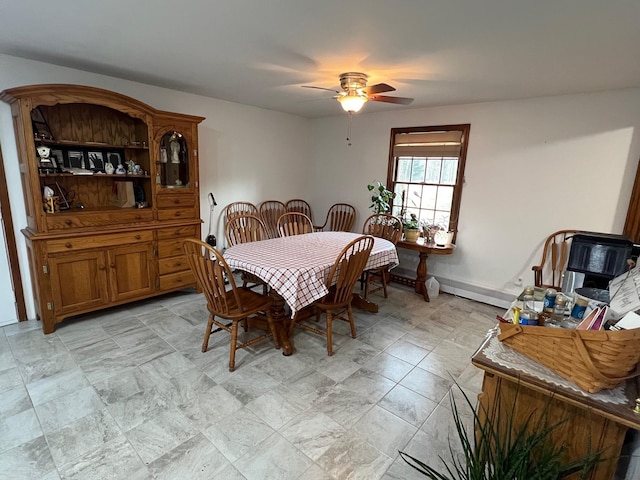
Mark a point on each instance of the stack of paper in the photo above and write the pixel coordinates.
(629, 321)
(623, 293)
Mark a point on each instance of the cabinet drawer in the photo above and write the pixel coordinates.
(173, 265)
(176, 201)
(80, 219)
(98, 241)
(188, 231)
(177, 213)
(170, 248)
(177, 280)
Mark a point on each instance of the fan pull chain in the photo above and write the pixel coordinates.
(349, 130)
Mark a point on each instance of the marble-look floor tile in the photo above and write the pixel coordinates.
(115, 459)
(162, 433)
(275, 458)
(32, 371)
(248, 383)
(408, 405)
(29, 460)
(62, 411)
(14, 400)
(238, 434)
(353, 458)
(10, 378)
(138, 408)
(344, 406)
(275, 408)
(384, 430)
(18, 429)
(388, 366)
(380, 335)
(80, 334)
(7, 361)
(202, 400)
(33, 345)
(102, 360)
(368, 384)
(407, 351)
(426, 384)
(314, 472)
(195, 459)
(312, 432)
(50, 388)
(277, 366)
(82, 436)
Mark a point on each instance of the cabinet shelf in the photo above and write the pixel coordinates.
(93, 175)
(74, 143)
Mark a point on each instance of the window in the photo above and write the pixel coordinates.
(426, 172)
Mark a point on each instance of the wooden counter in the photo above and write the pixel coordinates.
(589, 422)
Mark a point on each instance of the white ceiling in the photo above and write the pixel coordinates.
(259, 52)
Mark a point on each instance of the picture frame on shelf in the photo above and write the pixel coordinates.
(96, 161)
(115, 159)
(76, 159)
(41, 129)
(57, 156)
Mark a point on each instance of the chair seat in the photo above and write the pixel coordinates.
(250, 303)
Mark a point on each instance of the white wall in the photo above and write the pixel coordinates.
(533, 167)
(246, 153)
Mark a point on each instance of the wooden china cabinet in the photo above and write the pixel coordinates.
(97, 239)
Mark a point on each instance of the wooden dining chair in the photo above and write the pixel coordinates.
(343, 275)
(294, 223)
(233, 305)
(245, 228)
(555, 255)
(270, 211)
(384, 226)
(300, 206)
(239, 208)
(340, 218)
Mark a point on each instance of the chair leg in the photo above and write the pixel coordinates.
(329, 333)
(245, 324)
(352, 324)
(207, 334)
(272, 329)
(234, 342)
(383, 277)
(367, 277)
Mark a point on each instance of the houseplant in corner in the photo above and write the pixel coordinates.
(381, 197)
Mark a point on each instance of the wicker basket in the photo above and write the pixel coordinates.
(593, 360)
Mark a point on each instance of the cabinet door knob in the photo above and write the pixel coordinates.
(138, 237)
(68, 245)
(102, 267)
(113, 265)
(68, 222)
(176, 201)
(178, 214)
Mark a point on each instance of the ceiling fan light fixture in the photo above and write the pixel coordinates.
(352, 102)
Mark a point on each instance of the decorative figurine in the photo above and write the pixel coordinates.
(120, 170)
(175, 151)
(108, 168)
(46, 164)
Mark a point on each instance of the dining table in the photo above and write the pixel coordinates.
(296, 269)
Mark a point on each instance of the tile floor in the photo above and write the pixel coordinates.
(126, 393)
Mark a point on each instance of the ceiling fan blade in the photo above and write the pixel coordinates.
(378, 88)
(386, 99)
(320, 88)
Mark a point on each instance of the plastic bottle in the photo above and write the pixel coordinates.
(549, 299)
(433, 287)
(528, 301)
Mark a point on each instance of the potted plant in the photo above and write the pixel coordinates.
(411, 229)
(381, 198)
(498, 449)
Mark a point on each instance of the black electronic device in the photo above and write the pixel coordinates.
(600, 257)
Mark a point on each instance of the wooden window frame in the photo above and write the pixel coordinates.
(462, 158)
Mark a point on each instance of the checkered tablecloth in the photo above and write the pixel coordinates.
(297, 267)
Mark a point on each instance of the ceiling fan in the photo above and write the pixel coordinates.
(356, 93)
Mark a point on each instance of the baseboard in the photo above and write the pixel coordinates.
(477, 293)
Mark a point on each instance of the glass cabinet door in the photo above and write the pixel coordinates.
(173, 171)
